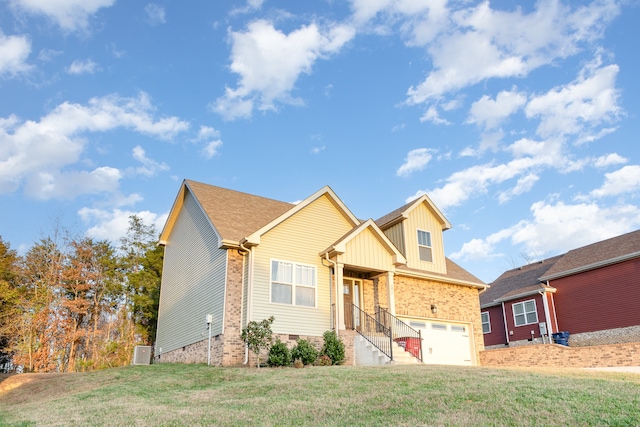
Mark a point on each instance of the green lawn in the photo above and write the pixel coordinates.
(169, 394)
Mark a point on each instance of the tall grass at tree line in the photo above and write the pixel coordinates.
(176, 395)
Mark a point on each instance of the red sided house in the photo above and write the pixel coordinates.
(591, 292)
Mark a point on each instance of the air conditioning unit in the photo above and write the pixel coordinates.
(142, 355)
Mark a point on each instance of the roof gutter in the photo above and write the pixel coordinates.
(592, 266)
(406, 273)
(525, 294)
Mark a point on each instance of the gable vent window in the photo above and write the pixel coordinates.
(424, 246)
(525, 313)
(293, 284)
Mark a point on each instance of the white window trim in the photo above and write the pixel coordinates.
(488, 322)
(293, 285)
(424, 246)
(535, 310)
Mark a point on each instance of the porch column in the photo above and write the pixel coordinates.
(340, 297)
(391, 300)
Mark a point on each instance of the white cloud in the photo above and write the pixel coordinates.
(149, 166)
(483, 43)
(14, 51)
(211, 139)
(578, 107)
(625, 180)
(48, 55)
(609, 160)
(113, 224)
(70, 15)
(269, 63)
(318, 150)
(41, 154)
(489, 113)
(252, 6)
(416, 160)
(78, 67)
(155, 14)
(557, 228)
(432, 115)
(524, 185)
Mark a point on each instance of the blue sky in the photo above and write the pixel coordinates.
(519, 121)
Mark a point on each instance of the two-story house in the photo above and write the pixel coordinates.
(232, 257)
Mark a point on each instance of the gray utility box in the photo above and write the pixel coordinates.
(142, 355)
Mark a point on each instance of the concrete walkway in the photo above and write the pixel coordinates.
(632, 369)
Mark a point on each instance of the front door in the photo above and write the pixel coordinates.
(351, 295)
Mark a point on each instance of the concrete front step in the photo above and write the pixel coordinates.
(368, 354)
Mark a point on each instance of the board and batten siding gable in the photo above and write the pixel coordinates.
(299, 238)
(366, 250)
(395, 233)
(421, 218)
(193, 280)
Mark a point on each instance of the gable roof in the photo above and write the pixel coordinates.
(402, 213)
(517, 282)
(596, 255)
(235, 214)
(455, 274)
(340, 246)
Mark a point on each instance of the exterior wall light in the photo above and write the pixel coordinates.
(434, 308)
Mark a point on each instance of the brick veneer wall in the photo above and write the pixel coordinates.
(234, 347)
(413, 297)
(194, 353)
(555, 355)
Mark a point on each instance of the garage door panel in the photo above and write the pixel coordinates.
(443, 342)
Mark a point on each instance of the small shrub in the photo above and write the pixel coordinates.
(279, 354)
(257, 335)
(324, 360)
(333, 347)
(305, 351)
(298, 364)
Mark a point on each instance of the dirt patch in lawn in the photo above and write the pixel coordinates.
(20, 387)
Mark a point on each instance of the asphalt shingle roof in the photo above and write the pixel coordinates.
(235, 214)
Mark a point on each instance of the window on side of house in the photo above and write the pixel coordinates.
(486, 324)
(424, 246)
(525, 313)
(293, 284)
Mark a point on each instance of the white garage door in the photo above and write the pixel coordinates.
(443, 343)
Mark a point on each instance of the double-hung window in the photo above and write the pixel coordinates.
(424, 246)
(525, 313)
(293, 284)
(486, 324)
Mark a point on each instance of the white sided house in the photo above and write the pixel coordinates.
(384, 286)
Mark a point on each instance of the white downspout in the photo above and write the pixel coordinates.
(547, 317)
(335, 269)
(249, 294)
(504, 318)
(555, 315)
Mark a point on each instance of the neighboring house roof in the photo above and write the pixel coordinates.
(596, 255)
(403, 212)
(235, 214)
(521, 281)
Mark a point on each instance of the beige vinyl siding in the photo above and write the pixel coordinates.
(298, 239)
(193, 281)
(421, 218)
(365, 250)
(396, 235)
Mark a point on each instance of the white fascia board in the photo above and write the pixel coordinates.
(525, 294)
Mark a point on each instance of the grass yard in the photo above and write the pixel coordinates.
(177, 395)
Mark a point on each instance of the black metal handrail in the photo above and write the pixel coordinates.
(366, 325)
(403, 334)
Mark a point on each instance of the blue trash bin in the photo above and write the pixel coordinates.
(561, 338)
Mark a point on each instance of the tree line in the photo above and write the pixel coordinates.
(72, 303)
